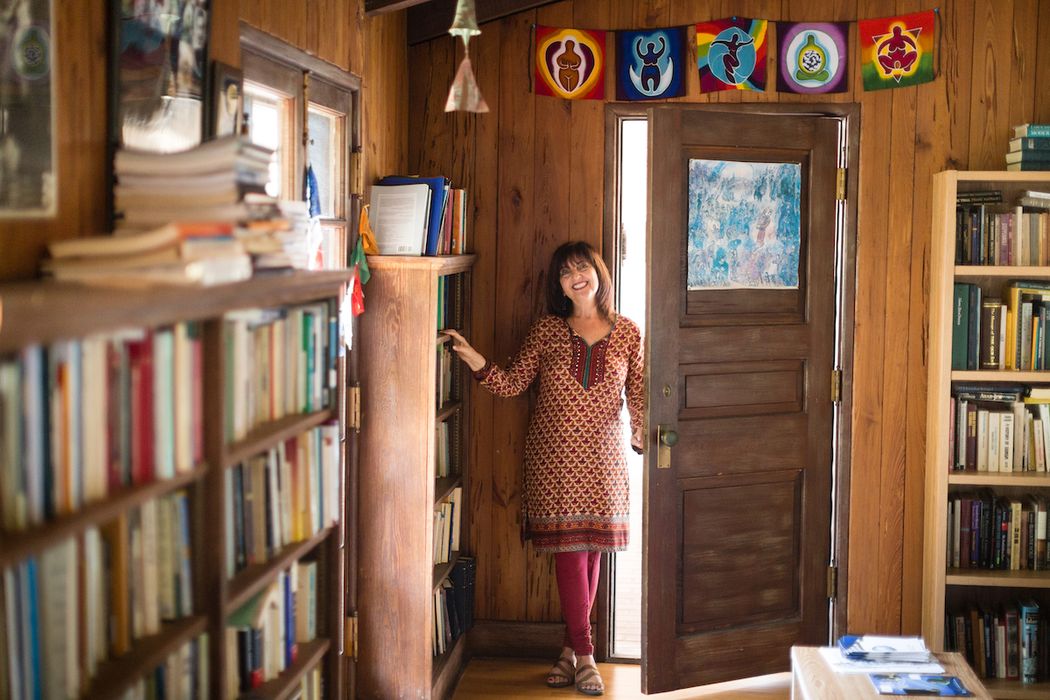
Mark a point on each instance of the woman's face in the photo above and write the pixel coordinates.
(579, 282)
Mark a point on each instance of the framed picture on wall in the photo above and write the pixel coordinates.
(27, 110)
(159, 73)
(226, 100)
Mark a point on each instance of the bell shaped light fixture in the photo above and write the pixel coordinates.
(464, 95)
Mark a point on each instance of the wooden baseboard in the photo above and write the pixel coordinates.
(522, 639)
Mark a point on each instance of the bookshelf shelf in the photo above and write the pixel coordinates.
(252, 579)
(965, 272)
(273, 433)
(114, 676)
(447, 410)
(17, 545)
(1015, 690)
(949, 593)
(444, 485)
(1001, 579)
(1022, 479)
(443, 570)
(43, 312)
(401, 517)
(286, 684)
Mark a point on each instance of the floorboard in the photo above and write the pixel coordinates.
(514, 679)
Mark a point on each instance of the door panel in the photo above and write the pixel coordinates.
(737, 530)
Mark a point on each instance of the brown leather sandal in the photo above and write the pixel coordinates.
(589, 681)
(562, 674)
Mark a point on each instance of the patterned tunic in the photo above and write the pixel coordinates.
(575, 495)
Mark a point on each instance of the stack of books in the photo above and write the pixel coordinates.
(1030, 148)
(206, 183)
(202, 253)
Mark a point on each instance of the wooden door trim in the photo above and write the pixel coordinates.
(615, 113)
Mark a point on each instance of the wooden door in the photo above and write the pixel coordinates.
(737, 529)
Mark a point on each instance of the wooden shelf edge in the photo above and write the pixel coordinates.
(447, 410)
(997, 579)
(443, 486)
(29, 307)
(443, 570)
(1015, 689)
(1019, 271)
(447, 667)
(441, 264)
(16, 546)
(279, 688)
(115, 675)
(974, 478)
(273, 433)
(249, 581)
(1003, 375)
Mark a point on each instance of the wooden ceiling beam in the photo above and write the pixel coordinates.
(378, 7)
(433, 19)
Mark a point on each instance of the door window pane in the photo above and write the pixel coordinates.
(267, 126)
(323, 155)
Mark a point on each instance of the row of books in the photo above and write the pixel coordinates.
(447, 516)
(287, 495)
(999, 429)
(184, 674)
(444, 449)
(1016, 237)
(413, 215)
(1009, 642)
(453, 605)
(282, 362)
(988, 531)
(80, 419)
(1007, 332)
(1030, 148)
(449, 300)
(976, 409)
(89, 598)
(446, 365)
(263, 635)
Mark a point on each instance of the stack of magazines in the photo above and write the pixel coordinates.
(883, 649)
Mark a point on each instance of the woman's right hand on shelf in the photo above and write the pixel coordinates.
(465, 351)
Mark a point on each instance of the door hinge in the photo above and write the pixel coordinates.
(353, 400)
(350, 637)
(840, 185)
(833, 581)
(836, 385)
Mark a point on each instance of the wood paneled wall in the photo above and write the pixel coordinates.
(533, 169)
(334, 30)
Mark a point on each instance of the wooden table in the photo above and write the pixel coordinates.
(813, 679)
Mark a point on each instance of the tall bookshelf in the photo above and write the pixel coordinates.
(401, 414)
(46, 314)
(946, 588)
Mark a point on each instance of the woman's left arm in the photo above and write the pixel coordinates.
(635, 390)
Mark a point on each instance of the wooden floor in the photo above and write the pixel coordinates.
(511, 679)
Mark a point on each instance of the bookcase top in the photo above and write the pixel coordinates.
(441, 264)
(46, 311)
(995, 175)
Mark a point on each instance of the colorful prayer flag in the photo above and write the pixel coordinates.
(731, 54)
(897, 51)
(813, 57)
(570, 63)
(650, 63)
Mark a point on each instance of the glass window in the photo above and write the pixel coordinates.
(267, 126)
(323, 154)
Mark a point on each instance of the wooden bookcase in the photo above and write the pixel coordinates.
(43, 313)
(944, 587)
(396, 575)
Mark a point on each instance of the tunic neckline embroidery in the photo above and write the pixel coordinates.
(588, 361)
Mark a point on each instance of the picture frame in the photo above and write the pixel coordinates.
(28, 157)
(225, 100)
(158, 73)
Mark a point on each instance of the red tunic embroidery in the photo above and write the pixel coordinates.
(576, 495)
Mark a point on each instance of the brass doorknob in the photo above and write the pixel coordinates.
(668, 438)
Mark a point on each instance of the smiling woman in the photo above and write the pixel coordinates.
(576, 495)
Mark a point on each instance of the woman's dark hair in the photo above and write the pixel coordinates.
(573, 252)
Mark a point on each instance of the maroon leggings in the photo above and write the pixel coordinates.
(577, 574)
